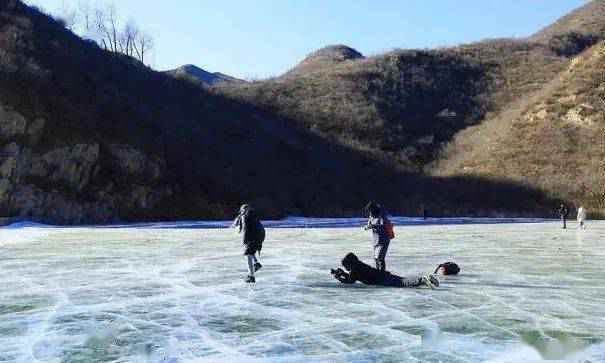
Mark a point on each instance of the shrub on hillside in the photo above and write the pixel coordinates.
(572, 43)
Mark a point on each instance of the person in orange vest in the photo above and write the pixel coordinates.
(379, 224)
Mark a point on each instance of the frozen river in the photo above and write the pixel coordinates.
(527, 292)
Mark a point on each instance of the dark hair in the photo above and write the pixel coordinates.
(349, 260)
(449, 268)
(373, 208)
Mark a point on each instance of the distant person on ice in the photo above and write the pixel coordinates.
(581, 217)
(359, 271)
(253, 236)
(382, 233)
(563, 213)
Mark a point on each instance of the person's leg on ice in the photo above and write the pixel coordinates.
(430, 281)
(250, 252)
(380, 253)
(257, 265)
(250, 278)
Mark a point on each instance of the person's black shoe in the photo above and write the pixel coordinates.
(250, 280)
(257, 266)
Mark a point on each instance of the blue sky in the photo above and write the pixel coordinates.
(261, 38)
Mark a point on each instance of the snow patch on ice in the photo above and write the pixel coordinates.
(25, 232)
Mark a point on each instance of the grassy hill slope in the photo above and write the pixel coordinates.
(199, 76)
(553, 139)
(407, 104)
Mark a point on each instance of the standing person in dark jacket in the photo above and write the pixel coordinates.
(380, 240)
(253, 235)
(359, 271)
(563, 213)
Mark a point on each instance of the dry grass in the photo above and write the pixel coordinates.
(391, 103)
(553, 139)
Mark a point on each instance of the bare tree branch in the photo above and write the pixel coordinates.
(104, 26)
(100, 24)
(128, 38)
(85, 16)
(143, 45)
(69, 16)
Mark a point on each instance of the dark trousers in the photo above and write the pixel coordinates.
(380, 253)
(398, 281)
(564, 219)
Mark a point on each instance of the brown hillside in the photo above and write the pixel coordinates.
(401, 104)
(325, 57)
(589, 18)
(406, 104)
(554, 139)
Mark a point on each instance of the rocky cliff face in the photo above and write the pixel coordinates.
(63, 182)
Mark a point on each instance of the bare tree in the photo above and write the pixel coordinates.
(143, 45)
(69, 16)
(128, 38)
(101, 29)
(104, 26)
(110, 27)
(85, 18)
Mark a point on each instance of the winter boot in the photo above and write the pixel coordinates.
(250, 280)
(430, 281)
(257, 266)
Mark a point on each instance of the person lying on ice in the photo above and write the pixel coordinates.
(359, 271)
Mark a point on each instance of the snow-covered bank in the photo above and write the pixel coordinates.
(305, 222)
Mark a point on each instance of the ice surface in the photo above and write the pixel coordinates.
(160, 293)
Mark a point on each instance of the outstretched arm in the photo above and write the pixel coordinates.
(369, 225)
(343, 277)
(237, 223)
(378, 223)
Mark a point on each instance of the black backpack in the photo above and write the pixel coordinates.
(260, 230)
(257, 233)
